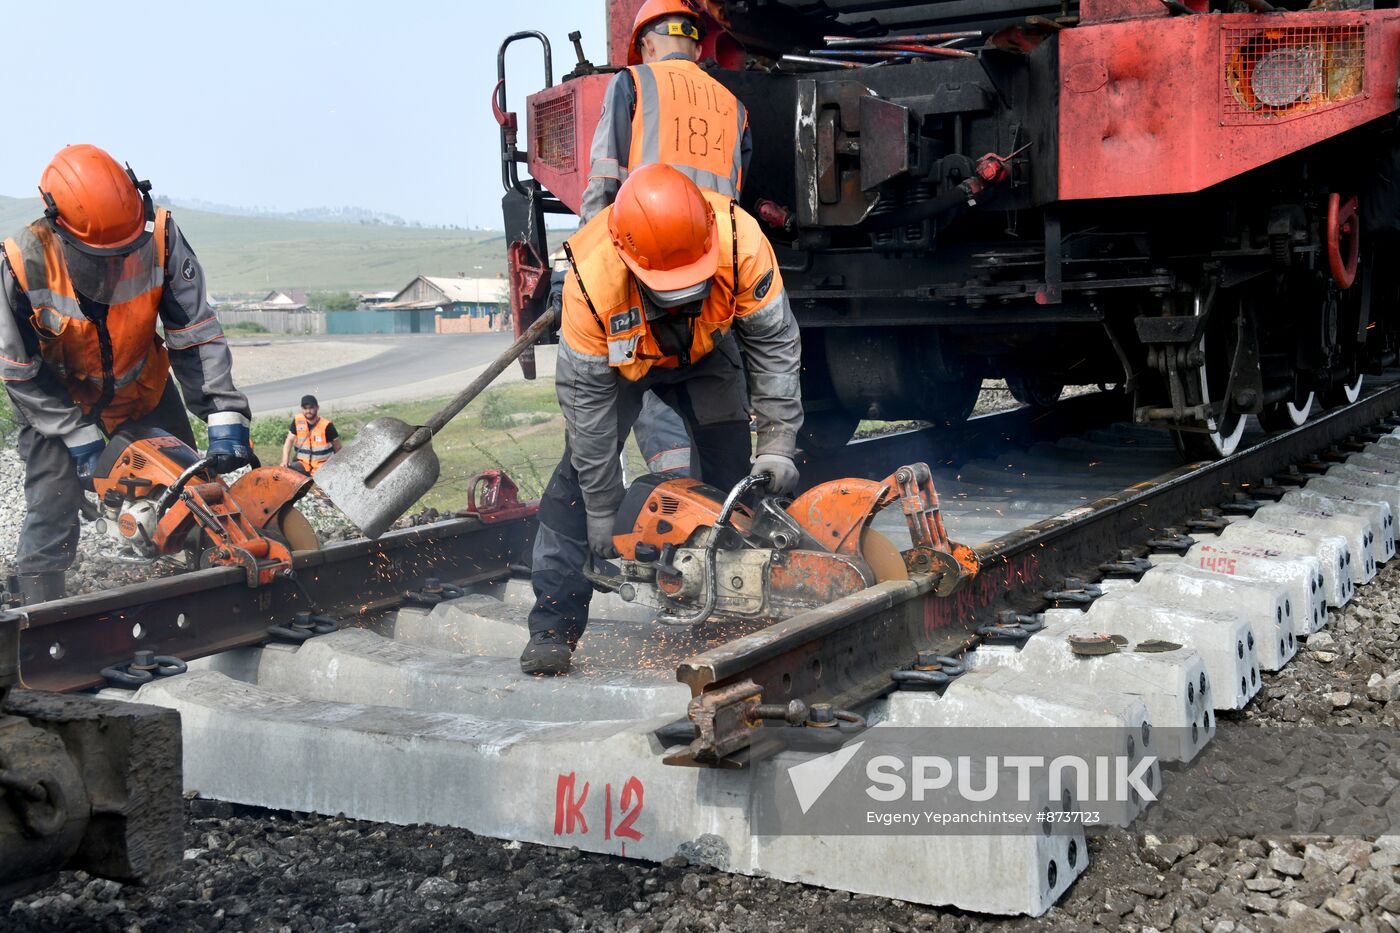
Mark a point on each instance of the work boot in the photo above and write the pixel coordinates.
(41, 587)
(547, 654)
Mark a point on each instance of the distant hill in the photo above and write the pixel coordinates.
(245, 255)
(334, 215)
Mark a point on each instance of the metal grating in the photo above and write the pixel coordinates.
(555, 145)
(1280, 72)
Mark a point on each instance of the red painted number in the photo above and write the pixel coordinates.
(570, 799)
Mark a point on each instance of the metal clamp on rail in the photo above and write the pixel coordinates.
(727, 720)
(144, 667)
(1012, 627)
(1074, 592)
(1210, 521)
(1172, 541)
(929, 670)
(433, 592)
(1240, 504)
(304, 625)
(1126, 566)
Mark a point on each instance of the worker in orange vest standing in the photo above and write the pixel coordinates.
(82, 291)
(665, 108)
(311, 438)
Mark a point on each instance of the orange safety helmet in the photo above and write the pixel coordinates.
(88, 195)
(664, 229)
(650, 12)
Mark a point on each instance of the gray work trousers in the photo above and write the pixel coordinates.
(663, 439)
(709, 396)
(48, 541)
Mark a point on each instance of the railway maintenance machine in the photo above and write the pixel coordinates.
(1190, 200)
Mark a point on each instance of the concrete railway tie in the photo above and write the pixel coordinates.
(425, 718)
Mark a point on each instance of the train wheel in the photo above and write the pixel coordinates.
(1343, 393)
(1034, 391)
(1285, 415)
(1223, 428)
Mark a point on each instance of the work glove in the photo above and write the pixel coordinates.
(229, 447)
(85, 460)
(600, 534)
(782, 469)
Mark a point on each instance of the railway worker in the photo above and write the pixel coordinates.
(82, 291)
(662, 283)
(312, 438)
(687, 120)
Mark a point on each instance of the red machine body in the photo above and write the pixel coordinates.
(1167, 196)
(1166, 105)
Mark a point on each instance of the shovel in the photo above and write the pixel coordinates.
(390, 464)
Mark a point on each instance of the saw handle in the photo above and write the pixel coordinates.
(726, 511)
(459, 401)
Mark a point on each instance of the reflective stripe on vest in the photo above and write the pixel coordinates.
(311, 445)
(688, 120)
(71, 344)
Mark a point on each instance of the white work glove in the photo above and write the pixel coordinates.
(600, 534)
(782, 469)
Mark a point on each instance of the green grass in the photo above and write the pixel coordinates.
(485, 436)
(248, 255)
(244, 330)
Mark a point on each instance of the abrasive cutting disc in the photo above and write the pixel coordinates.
(882, 556)
(297, 531)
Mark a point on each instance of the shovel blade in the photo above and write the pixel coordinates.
(372, 482)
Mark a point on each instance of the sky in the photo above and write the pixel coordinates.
(283, 106)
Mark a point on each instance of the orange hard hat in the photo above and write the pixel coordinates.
(650, 12)
(664, 230)
(93, 198)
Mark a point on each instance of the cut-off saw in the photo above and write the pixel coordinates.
(693, 552)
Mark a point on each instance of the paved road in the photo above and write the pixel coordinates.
(409, 359)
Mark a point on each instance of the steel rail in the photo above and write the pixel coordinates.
(65, 644)
(844, 653)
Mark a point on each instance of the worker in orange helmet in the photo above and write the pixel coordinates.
(688, 120)
(82, 291)
(661, 284)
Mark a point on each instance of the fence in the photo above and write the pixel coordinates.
(278, 322)
(399, 321)
(473, 325)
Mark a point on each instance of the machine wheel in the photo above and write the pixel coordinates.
(1222, 433)
(1288, 414)
(1034, 391)
(1343, 393)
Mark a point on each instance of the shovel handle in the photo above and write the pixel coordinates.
(461, 399)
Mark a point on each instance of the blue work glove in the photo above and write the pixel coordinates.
(85, 460)
(229, 447)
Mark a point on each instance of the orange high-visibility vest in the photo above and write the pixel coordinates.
(620, 331)
(136, 366)
(311, 445)
(686, 119)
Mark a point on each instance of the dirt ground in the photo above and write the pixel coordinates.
(260, 359)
